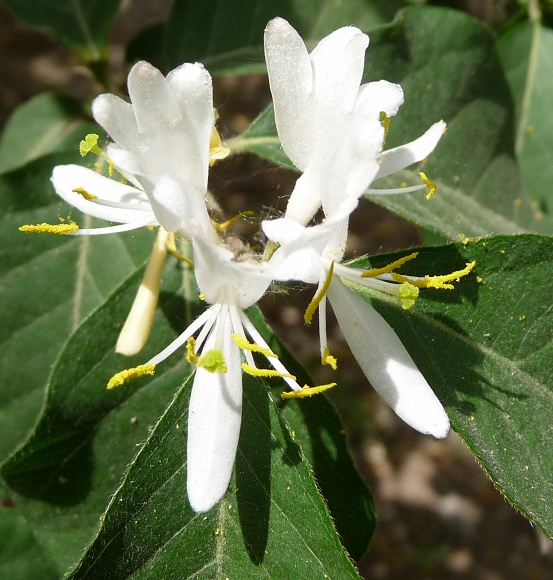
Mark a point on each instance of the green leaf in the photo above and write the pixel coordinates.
(526, 54)
(79, 23)
(43, 296)
(479, 188)
(272, 523)
(486, 348)
(64, 475)
(200, 31)
(45, 124)
(20, 555)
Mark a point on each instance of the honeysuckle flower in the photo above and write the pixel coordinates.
(225, 335)
(312, 255)
(164, 143)
(329, 124)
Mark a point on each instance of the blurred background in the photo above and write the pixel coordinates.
(439, 516)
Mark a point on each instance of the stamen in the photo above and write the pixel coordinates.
(328, 359)
(87, 195)
(45, 228)
(228, 223)
(307, 391)
(172, 247)
(408, 294)
(90, 145)
(242, 343)
(122, 377)
(385, 121)
(191, 356)
(313, 305)
(255, 372)
(213, 361)
(137, 327)
(374, 272)
(430, 184)
(440, 282)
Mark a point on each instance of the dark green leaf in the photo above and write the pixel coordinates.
(273, 523)
(486, 348)
(79, 23)
(228, 36)
(43, 297)
(20, 555)
(526, 54)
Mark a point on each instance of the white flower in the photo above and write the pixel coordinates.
(329, 125)
(304, 255)
(224, 335)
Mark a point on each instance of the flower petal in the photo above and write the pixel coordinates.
(400, 157)
(155, 106)
(117, 117)
(214, 418)
(386, 362)
(377, 97)
(65, 178)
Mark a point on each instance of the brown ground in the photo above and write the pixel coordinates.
(439, 515)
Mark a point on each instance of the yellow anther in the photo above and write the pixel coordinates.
(374, 272)
(221, 227)
(90, 145)
(45, 228)
(217, 150)
(172, 247)
(430, 184)
(441, 282)
(385, 120)
(201, 296)
(255, 372)
(213, 361)
(307, 391)
(86, 194)
(124, 376)
(313, 305)
(242, 343)
(191, 351)
(408, 294)
(328, 359)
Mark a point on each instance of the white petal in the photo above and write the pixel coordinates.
(379, 96)
(290, 78)
(400, 157)
(117, 117)
(177, 205)
(386, 362)
(154, 104)
(214, 418)
(191, 84)
(65, 178)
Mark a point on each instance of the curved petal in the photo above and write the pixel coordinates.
(400, 157)
(155, 106)
(377, 97)
(214, 418)
(191, 84)
(386, 362)
(65, 178)
(290, 78)
(116, 116)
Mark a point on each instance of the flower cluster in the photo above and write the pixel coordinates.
(333, 128)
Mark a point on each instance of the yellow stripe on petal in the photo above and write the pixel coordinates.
(45, 228)
(255, 372)
(307, 391)
(124, 376)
